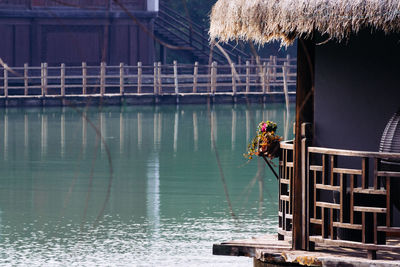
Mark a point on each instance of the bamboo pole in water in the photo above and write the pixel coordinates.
(121, 78)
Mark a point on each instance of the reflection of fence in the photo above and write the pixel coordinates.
(270, 77)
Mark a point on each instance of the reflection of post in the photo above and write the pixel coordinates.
(159, 128)
(247, 125)
(195, 131)
(139, 127)
(153, 194)
(102, 129)
(26, 132)
(84, 129)
(233, 129)
(155, 131)
(5, 135)
(214, 125)
(121, 132)
(62, 141)
(176, 122)
(44, 134)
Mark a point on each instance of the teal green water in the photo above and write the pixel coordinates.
(148, 192)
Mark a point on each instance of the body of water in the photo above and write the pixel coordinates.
(133, 186)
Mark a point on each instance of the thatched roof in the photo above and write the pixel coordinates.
(266, 20)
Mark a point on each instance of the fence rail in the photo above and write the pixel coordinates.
(271, 77)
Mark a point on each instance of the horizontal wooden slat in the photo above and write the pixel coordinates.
(369, 209)
(289, 164)
(353, 153)
(285, 198)
(347, 171)
(388, 229)
(284, 181)
(315, 221)
(327, 187)
(369, 191)
(388, 174)
(353, 244)
(327, 205)
(316, 168)
(348, 225)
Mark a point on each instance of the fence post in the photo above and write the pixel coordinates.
(233, 79)
(263, 78)
(159, 80)
(268, 76)
(62, 79)
(213, 77)
(26, 79)
(195, 72)
(247, 76)
(139, 78)
(274, 68)
(45, 78)
(102, 78)
(288, 64)
(155, 78)
(5, 80)
(121, 78)
(285, 86)
(42, 78)
(84, 78)
(176, 81)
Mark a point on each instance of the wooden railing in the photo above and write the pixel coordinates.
(356, 208)
(349, 197)
(175, 79)
(285, 214)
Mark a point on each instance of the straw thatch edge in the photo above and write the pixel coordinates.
(263, 21)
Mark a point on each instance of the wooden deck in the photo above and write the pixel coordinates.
(269, 250)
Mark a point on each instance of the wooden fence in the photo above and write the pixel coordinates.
(273, 75)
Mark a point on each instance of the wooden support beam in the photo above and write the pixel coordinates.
(26, 75)
(195, 73)
(62, 79)
(139, 77)
(121, 79)
(5, 80)
(304, 113)
(102, 78)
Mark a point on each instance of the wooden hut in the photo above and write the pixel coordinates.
(76, 31)
(337, 187)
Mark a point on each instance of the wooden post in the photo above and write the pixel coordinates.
(45, 77)
(42, 79)
(268, 76)
(121, 78)
(195, 72)
(233, 79)
(263, 79)
(176, 77)
(102, 78)
(155, 78)
(26, 79)
(285, 86)
(139, 77)
(304, 113)
(213, 77)
(247, 76)
(159, 80)
(274, 68)
(288, 63)
(5, 80)
(84, 78)
(62, 81)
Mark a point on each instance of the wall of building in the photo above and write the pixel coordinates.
(70, 36)
(357, 90)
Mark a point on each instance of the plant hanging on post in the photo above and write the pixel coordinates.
(265, 144)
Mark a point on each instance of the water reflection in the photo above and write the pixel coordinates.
(166, 198)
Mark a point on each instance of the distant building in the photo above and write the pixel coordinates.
(72, 31)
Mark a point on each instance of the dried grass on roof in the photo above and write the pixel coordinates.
(284, 20)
